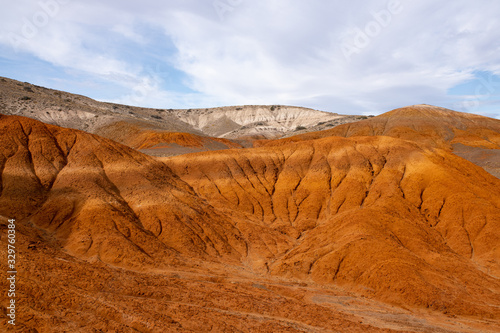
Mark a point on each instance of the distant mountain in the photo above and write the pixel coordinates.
(260, 121)
(153, 130)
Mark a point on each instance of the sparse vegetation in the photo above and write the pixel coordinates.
(156, 117)
(25, 98)
(300, 128)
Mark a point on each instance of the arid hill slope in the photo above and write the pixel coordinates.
(411, 225)
(162, 132)
(260, 121)
(473, 137)
(102, 200)
(155, 141)
(265, 239)
(425, 124)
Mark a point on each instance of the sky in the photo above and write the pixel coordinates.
(356, 57)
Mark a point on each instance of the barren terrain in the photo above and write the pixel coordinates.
(374, 226)
(163, 132)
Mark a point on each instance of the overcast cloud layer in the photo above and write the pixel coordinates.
(365, 56)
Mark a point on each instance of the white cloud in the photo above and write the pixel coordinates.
(58, 37)
(278, 52)
(291, 54)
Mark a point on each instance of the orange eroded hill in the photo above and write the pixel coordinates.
(410, 225)
(105, 201)
(424, 124)
(142, 137)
